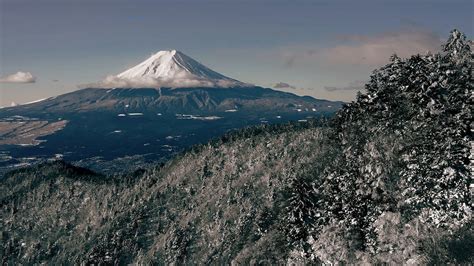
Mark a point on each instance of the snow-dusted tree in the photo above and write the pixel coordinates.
(404, 146)
(301, 212)
(436, 177)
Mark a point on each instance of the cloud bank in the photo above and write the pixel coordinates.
(375, 50)
(353, 86)
(283, 85)
(286, 87)
(19, 77)
(371, 50)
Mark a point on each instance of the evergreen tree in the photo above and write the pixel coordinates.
(405, 145)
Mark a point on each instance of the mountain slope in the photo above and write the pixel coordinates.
(223, 201)
(181, 100)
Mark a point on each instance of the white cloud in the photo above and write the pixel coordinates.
(19, 77)
(151, 82)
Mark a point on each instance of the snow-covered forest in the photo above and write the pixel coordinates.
(387, 180)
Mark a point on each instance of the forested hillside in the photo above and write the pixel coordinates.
(386, 181)
(221, 202)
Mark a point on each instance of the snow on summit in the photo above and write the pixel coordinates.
(171, 64)
(172, 69)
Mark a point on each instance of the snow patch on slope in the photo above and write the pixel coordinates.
(36, 101)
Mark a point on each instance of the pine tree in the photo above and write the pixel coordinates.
(404, 145)
(301, 212)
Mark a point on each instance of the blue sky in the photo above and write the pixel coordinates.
(325, 49)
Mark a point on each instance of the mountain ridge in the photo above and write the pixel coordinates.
(227, 99)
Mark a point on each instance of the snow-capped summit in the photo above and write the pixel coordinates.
(171, 68)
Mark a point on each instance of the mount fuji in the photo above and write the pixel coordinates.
(147, 113)
(174, 69)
